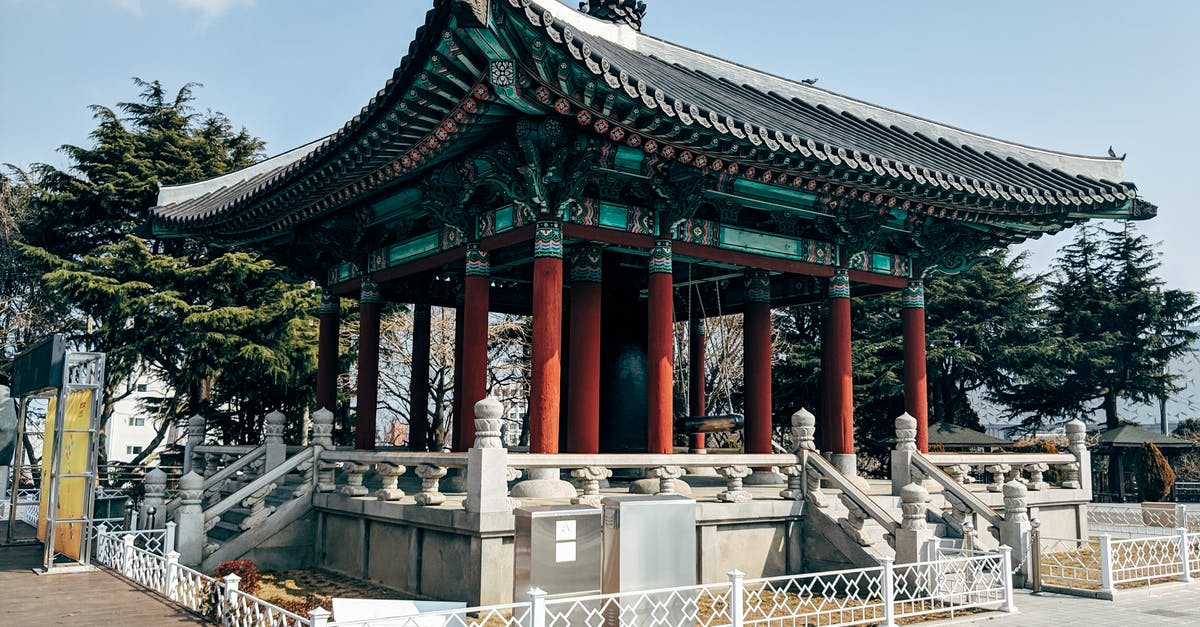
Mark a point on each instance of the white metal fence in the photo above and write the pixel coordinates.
(1131, 522)
(27, 505)
(1104, 565)
(880, 595)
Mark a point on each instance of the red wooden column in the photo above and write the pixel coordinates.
(419, 431)
(456, 416)
(329, 314)
(368, 365)
(841, 373)
(697, 344)
(757, 362)
(583, 396)
(916, 397)
(477, 284)
(546, 371)
(660, 349)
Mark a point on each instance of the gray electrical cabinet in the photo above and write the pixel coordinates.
(649, 543)
(557, 549)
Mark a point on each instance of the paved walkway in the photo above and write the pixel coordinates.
(95, 598)
(1164, 604)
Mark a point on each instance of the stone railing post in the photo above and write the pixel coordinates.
(591, 476)
(430, 490)
(322, 436)
(998, 472)
(1077, 439)
(804, 427)
(189, 520)
(276, 450)
(795, 482)
(961, 473)
(734, 491)
(390, 473)
(487, 463)
(195, 437)
(155, 499)
(913, 532)
(906, 447)
(169, 537)
(172, 574)
(1015, 528)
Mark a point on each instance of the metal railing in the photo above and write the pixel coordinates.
(1141, 521)
(879, 595)
(1103, 565)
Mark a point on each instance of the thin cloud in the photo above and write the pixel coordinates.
(210, 9)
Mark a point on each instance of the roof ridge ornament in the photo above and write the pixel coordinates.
(628, 12)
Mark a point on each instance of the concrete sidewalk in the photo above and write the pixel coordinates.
(1164, 604)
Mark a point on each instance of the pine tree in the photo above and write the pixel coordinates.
(220, 328)
(1117, 328)
(1154, 475)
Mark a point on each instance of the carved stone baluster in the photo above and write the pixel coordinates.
(795, 479)
(1070, 475)
(354, 480)
(192, 459)
(1079, 475)
(959, 472)
(390, 473)
(591, 476)
(666, 476)
(813, 493)
(430, 490)
(955, 512)
(998, 471)
(212, 464)
(259, 511)
(305, 470)
(322, 436)
(734, 492)
(912, 507)
(1035, 475)
(852, 524)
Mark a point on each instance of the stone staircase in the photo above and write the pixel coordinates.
(264, 514)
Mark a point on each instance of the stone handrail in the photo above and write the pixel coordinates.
(272, 476)
(402, 458)
(642, 460)
(216, 480)
(225, 449)
(980, 459)
(813, 462)
(973, 503)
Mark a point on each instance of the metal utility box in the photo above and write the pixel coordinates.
(649, 542)
(557, 549)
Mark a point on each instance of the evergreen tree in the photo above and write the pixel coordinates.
(1154, 475)
(220, 328)
(1118, 328)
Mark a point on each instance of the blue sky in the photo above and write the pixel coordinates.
(1070, 75)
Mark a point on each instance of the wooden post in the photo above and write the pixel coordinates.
(419, 433)
(757, 346)
(660, 349)
(583, 397)
(916, 395)
(546, 371)
(697, 397)
(457, 417)
(368, 366)
(329, 314)
(841, 374)
(477, 284)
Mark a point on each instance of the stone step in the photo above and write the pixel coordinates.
(224, 531)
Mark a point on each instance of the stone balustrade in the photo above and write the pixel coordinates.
(996, 469)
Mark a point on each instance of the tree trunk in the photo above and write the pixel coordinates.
(1111, 420)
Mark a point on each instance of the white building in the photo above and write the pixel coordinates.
(132, 426)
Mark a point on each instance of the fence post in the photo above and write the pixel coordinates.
(172, 573)
(319, 617)
(1034, 567)
(737, 588)
(537, 607)
(127, 555)
(1010, 605)
(169, 537)
(231, 585)
(1183, 555)
(887, 590)
(1106, 567)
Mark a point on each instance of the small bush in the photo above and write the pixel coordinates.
(245, 569)
(1154, 475)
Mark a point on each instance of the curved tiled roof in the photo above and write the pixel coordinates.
(787, 117)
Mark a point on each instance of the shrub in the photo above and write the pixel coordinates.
(1154, 474)
(245, 569)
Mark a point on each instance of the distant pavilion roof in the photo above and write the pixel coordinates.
(1134, 436)
(679, 102)
(950, 436)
